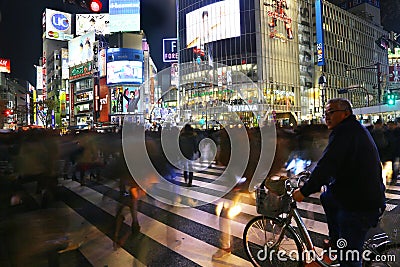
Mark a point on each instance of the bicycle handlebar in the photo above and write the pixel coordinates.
(300, 177)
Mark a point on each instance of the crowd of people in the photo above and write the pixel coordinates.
(45, 157)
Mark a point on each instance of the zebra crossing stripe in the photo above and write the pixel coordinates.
(95, 246)
(192, 248)
(164, 233)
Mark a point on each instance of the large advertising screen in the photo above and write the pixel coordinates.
(58, 25)
(121, 98)
(92, 22)
(124, 15)
(80, 49)
(213, 22)
(5, 65)
(124, 66)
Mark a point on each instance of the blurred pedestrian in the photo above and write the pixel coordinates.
(189, 147)
(351, 170)
(395, 150)
(379, 135)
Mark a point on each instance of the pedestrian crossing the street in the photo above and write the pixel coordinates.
(171, 235)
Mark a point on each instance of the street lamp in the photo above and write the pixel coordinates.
(356, 86)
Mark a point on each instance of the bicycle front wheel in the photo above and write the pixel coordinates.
(388, 255)
(265, 246)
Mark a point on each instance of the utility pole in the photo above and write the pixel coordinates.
(378, 76)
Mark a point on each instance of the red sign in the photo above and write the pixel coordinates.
(5, 65)
(104, 100)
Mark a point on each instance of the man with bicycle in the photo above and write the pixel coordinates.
(351, 170)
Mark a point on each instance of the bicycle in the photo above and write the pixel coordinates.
(270, 239)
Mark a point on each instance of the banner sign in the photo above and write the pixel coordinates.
(319, 33)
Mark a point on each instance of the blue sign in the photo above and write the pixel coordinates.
(60, 22)
(319, 33)
(170, 50)
(124, 66)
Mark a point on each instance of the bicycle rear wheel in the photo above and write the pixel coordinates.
(388, 255)
(263, 247)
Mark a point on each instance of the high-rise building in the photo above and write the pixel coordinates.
(291, 56)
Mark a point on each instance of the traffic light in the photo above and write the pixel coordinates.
(391, 99)
(95, 5)
(383, 42)
(7, 112)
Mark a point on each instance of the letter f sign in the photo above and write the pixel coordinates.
(173, 46)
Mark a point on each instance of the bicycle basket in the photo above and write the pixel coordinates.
(270, 204)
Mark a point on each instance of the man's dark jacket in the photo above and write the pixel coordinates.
(351, 168)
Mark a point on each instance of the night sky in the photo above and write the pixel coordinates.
(21, 29)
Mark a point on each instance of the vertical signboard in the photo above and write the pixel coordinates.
(34, 106)
(306, 54)
(71, 101)
(319, 33)
(39, 77)
(104, 100)
(174, 74)
(64, 64)
(96, 56)
(102, 62)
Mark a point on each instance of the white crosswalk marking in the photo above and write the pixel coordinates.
(98, 247)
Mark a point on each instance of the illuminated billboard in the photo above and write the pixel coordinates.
(213, 22)
(64, 64)
(58, 25)
(102, 62)
(124, 66)
(319, 33)
(121, 97)
(5, 65)
(279, 20)
(124, 15)
(80, 49)
(39, 78)
(92, 22)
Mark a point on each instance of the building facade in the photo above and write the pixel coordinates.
(261, 57)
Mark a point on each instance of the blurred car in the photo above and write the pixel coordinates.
(6, 131)
(29, 127)
(105, 127)
(77, 128)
